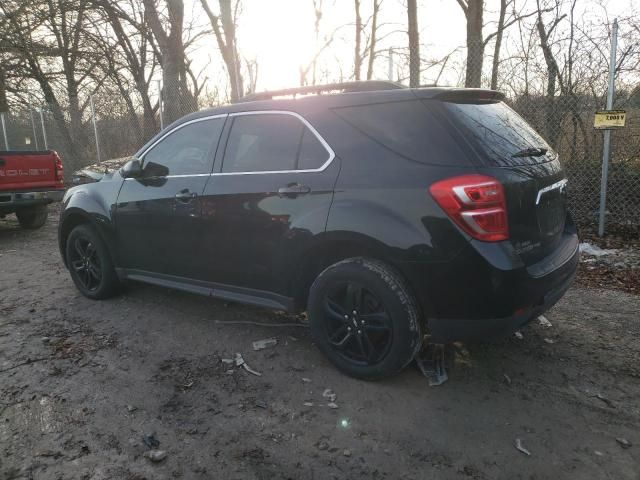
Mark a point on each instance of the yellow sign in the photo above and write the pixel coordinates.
(608, 119)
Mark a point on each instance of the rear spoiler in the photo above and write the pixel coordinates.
(465, 95)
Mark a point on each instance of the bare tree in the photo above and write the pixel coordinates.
(473, 12)
(373, 38)
(357, 60)
(224, 28)
(176, 95)
(130, 37)
(48, 37)
(498, 44)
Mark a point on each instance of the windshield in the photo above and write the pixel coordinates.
(503, 136)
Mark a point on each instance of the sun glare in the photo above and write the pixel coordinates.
(280, 37)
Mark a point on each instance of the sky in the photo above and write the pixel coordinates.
(279, 34)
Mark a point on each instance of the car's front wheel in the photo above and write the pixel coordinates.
(90, 264)
(364, 318)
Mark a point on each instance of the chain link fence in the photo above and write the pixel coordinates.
(118, 125)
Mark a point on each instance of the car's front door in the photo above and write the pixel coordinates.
(158, 215)
(268, 197)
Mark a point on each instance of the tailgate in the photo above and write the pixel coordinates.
(28, 170)
(509, 150)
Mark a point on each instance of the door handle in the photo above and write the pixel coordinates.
(293, 189)
(185, 195)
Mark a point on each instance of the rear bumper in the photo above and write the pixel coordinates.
(485, 329)
(487, 292)
(10, 201)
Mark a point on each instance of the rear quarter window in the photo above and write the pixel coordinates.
(410, 129)
(500, 133)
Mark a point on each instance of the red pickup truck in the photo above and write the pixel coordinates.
(29, 181)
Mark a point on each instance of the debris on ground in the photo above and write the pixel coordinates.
(346, 452)
(323, 445)
(615, 263)
(594, 250)
(131, 408)
(507, 378)
(332, 405)
(239, 361)
(431, 362)
(329, 395)
(550, 341)
(150, 440)
(624, 443)
(521, 448)
(266, 343)
(306, 380)
(518, 335)
(155, 455)
(604, 399)
(543, 321)
(308, 404)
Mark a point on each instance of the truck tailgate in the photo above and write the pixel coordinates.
(29, 170)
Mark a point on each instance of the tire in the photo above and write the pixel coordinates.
(90, 264)
(380, 339)
(33, 217)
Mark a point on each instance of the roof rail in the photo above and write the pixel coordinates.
(342, 87)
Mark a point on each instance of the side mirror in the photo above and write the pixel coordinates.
(131, 169)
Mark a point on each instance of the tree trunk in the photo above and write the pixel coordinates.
(176, 95)
(372, 42)
(4, 107)
(553, 115)
(225, 32)
(414, 44)
(229, 27)
(475, 44)
(498, 45)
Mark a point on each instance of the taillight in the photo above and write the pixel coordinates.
(59, 169)
(476, 203)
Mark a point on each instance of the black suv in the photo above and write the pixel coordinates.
(393, 216)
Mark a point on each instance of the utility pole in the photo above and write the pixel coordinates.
(95, 128)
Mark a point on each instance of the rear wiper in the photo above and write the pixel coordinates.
(530, 152)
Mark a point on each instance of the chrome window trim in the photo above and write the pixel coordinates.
(304, 121)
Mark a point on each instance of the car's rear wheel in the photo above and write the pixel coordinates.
(90, 264)
(364, 318)
(32, 217)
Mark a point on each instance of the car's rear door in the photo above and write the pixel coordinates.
(268, 197)
(158, 216)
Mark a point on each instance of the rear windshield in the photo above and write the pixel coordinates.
(502, 135)
(410, 129)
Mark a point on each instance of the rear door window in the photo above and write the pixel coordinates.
(410, 129)
(262, 143)
(501, 134)
(272, 142)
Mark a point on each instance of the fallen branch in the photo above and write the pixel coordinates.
(260, 324)
(29, 361)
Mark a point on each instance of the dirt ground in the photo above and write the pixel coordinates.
(81, 383)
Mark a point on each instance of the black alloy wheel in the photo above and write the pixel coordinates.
(364, 318)
(357, 324)
(86, 264)
(90, 264)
